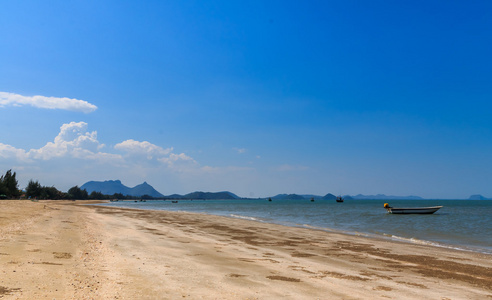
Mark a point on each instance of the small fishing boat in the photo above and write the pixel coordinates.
(339, 199)
(411, 210)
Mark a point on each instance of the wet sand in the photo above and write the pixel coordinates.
(62, 250)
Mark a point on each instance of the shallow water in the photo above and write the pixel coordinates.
(460, 224)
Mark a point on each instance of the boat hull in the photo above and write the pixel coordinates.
(413, 210)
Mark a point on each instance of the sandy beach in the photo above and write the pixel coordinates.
(64, 250)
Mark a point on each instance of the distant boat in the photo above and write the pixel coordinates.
(269, 199)
(411, 210)
(174, 201)
(312, 199)
(339, 199)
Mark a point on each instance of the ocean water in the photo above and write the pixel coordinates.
(460, 224)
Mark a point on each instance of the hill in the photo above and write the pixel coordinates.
(288, 197)
(478, 197)
(384, 197)
(145, 189)
(210, 196)
(111, 187)
(329, 197)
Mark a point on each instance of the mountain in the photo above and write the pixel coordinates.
(111, 187)
(384, 197)
(288, 197)
(145, 189)
(309, 196)
(108, 187)
(305, 196)
(209, 196)
(329, 197)
(478, 197)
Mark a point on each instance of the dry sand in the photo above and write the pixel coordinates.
(61, 250)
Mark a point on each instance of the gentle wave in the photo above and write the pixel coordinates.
(436, 244)
(245, 217)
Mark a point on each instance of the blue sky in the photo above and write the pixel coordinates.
(254, 97)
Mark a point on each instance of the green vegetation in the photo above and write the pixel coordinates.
(34, 190)
(8, 186)
(75, 193)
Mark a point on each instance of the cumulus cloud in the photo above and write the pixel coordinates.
(11, 99)
(173, 158)
(150, 151)
(144, 150)
(73, 140)
(12, 153)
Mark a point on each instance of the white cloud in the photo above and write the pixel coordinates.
(137, 151)
(176, 157)
(136, 148)
(240, 150)
(9, 152)
(74, 141)
(11, 99)
(74, 148)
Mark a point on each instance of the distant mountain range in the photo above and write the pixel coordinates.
(302, 197)
(478, 197)
(346, 197)
(111, 187)
(208, 195)
(384, 197)
(360, 197)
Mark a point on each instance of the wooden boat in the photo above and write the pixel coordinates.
(411, 210)
(339, 199)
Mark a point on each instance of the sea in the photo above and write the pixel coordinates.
(460, 224)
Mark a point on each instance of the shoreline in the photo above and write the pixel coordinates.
(381, 236)
(67, 250)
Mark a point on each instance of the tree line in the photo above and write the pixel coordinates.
(8, 186)
(9, 189)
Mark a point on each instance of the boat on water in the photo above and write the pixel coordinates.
(411, 210)
(339, 199)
